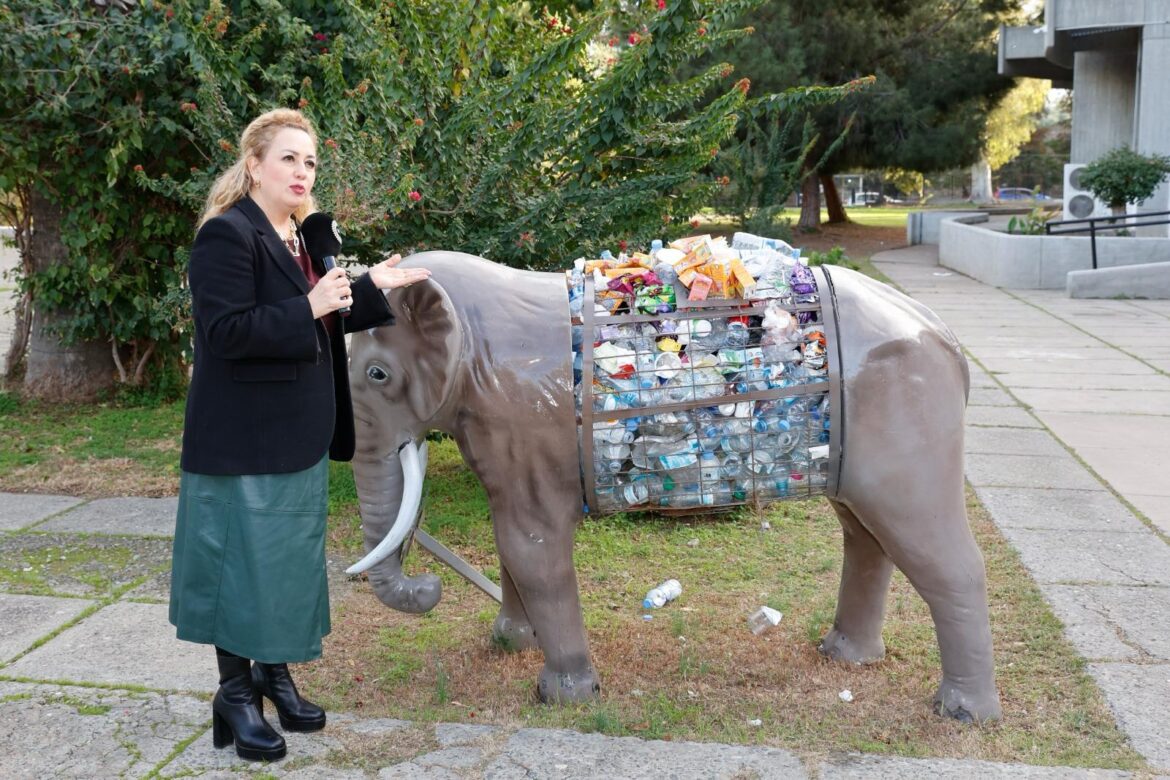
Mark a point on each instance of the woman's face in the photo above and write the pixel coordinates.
(286, 173)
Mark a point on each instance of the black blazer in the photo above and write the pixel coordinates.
(270, 388)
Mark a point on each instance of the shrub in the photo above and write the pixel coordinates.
(1123, 176)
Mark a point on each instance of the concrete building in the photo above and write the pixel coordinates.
(1115, 55)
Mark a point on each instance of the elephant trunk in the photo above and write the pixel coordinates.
(389, 491)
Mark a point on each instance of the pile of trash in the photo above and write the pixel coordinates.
(707, 374)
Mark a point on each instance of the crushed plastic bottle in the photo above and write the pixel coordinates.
(662, 594)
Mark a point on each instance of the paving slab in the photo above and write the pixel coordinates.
(1013, 416)
(1113, 622)
(68, 565)
(20, 510)
(1129, 470)
(1000, 362)
(1012, 441)
(52, 731)
(1105, 381)
(202, 759)
(1103, 402)
(1141, 433)
(990, 396)
(1030, 471)
(1156, 508)
(1137, 695)
(1055, 509)
(1092, 556)
(28, 618)
(555, 753)
(127, 644)
(137, 516)
(863, 767)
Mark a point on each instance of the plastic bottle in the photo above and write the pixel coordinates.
(709, 468)
(666, 592)
(737, 334)
(655, 247)
(731, 467)
(635, 488)
(577, 286)
(708, 428)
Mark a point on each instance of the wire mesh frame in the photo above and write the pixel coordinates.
(754, 472)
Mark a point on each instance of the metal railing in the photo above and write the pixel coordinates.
(1105, 224)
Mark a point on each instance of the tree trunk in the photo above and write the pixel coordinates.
(810, 203)
(16, 213)
(981, 181)
(837, 213)
(57, 371)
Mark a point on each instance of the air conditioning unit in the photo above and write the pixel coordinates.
(1079, 203)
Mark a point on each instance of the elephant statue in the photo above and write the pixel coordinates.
(480, 352)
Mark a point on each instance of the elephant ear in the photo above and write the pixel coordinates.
(435, 351)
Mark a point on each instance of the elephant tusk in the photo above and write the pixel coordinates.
(413, 470)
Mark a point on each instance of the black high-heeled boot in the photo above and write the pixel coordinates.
(275, 682)
(237, 715)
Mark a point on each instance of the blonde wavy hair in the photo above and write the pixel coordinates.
(236, 182)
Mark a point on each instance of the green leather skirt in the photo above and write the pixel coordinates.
(248, 572)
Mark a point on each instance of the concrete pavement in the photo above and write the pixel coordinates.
(1070, 409)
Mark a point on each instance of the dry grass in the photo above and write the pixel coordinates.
(696, 672)
(91, 478)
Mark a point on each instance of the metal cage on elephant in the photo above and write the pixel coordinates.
(718, 403)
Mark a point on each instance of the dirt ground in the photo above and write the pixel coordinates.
(858, 241)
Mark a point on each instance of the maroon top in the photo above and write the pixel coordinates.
(302, 258)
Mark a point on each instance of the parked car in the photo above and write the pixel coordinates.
(1019, 193)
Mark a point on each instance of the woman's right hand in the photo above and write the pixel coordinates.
(330, 294)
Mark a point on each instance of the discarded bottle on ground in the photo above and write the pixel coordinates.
(667, 591)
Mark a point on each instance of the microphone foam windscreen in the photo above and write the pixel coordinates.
(322, 238)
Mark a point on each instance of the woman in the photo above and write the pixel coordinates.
(268, 407)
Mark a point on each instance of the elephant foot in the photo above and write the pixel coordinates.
(839, 647)
(567, 687)
(967, 707)
(513, 635)
(408, 594)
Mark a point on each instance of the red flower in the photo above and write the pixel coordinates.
(138, 168)
(622, 245)
(414, 195)
(320, 36)
(613, 41)
(225, 145)
(330, 143)
(743, 85)
(187, 107)
(661, 5)
(553, 23)
(418, 121)
(702, 31)
(694, 223)
(634, 38)
(302, 102)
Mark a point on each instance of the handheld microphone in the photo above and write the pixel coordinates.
(323, 241)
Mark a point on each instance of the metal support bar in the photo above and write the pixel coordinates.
(461, 567)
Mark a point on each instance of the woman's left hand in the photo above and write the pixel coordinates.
(386, 276)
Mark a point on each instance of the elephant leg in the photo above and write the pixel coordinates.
(512, 630)
(927, 536)
(538, 555)
(856, 635)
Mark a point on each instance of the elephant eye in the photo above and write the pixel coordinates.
(377, 374)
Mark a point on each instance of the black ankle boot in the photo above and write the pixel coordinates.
(275, 682)
(237, 715)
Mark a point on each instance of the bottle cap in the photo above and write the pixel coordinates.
(647, 604)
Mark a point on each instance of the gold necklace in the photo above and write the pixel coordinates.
(293, 242)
